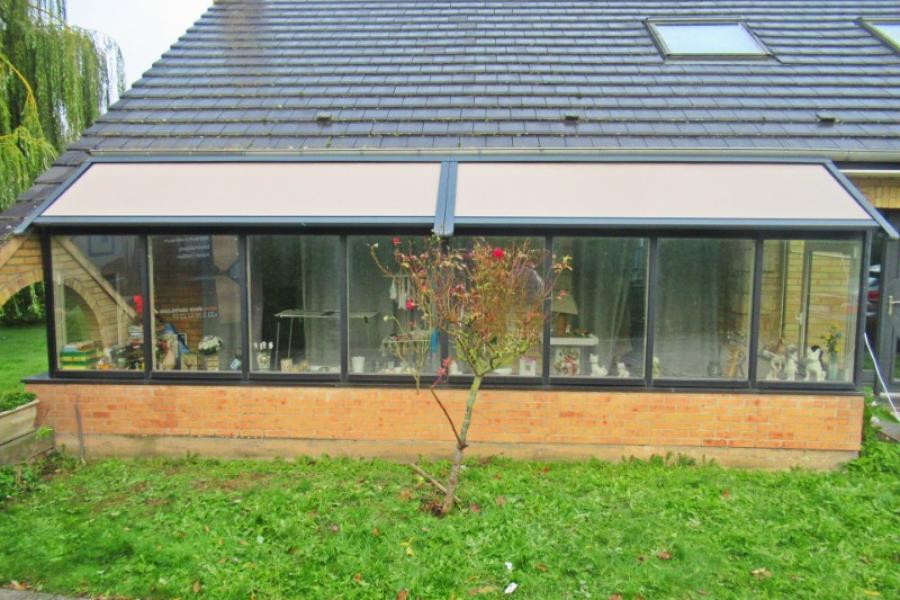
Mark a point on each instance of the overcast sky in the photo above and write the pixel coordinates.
(144, 29)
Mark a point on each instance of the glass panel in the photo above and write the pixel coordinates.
(98, 302)
(599, 308)
(295, 304)
(384, 337)
(529, 365)
(890, 31)
(703, 300)
(808, 310)
(708, 38)
(196, 284)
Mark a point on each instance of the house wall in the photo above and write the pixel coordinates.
(882, 192)
(760, 430)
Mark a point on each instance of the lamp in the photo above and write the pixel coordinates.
(562, 305)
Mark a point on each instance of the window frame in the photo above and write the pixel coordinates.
(667, 53)
(544, 381)
(873, 26)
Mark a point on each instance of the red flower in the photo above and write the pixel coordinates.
(498, 253)
(396, 241)
(410, 305)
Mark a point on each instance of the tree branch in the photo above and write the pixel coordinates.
(433, 481)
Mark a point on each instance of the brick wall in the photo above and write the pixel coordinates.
(525, 422)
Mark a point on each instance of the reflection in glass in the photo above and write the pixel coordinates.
(196, 291)
(98, 303)
(703, 308)
(808, 310)
(599, 308)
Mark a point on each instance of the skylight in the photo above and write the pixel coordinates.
(706, 40)
(889, 31)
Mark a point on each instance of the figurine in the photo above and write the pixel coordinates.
(776, 367)
(596, 369)
(815, 370)
(169, 347)
(791, 364)
(622, 370)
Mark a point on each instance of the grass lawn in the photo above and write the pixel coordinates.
(23, 352)
(330, 528)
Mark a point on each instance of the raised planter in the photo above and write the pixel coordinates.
(17, 422)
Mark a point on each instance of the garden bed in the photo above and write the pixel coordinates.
(346, 528)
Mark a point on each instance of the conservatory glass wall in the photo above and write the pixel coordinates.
(99, 303)
(633, 310)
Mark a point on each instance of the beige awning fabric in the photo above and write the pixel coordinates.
(249, 190)
(450, 193)
(652, 191)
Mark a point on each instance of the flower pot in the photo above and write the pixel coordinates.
(211, 362)
(17, 422)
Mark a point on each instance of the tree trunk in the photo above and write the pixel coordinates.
(453, 481)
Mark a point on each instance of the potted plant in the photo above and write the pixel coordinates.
(18, 411)
(209, 348)
(832, 339)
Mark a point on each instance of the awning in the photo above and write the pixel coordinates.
(247, 192)
(669, 193)
(459, 192)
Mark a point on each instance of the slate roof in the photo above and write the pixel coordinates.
(288, 76)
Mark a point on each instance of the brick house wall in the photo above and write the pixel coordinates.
(767, 430)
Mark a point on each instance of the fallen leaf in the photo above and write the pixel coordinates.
(405, 494)
(357, 578)
(664, 555)
(17, 585)
(726, 493)
(402, 595)
(642, 558)
(376, 532)
(474, 508)
(761, 573)
(197, 587)
(335, 528)
(500, 500)
(541, 567)
(615, 597)
(545, 470)
(488, 589)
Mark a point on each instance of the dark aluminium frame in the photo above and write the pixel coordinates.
(444, 224)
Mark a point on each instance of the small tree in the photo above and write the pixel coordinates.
(490, 301)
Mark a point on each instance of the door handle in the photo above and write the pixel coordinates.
(891, 303)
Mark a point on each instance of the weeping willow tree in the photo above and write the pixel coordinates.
(55, 80)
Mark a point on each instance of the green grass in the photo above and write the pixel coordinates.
(196, 528)
(23, 352)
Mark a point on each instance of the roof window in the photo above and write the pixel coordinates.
(706, 39)
(887, 31)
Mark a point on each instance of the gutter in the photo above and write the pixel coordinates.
(837, 156)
